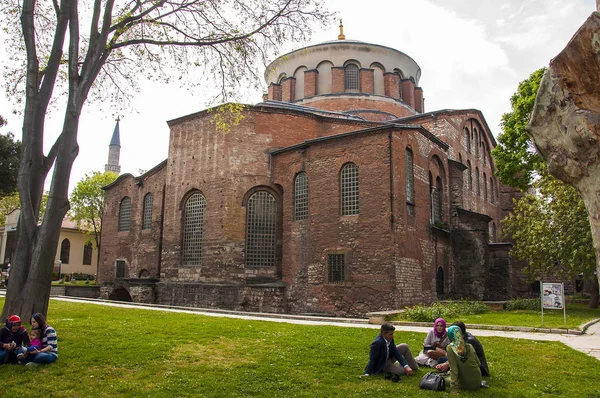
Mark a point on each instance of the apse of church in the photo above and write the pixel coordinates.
(336, 195)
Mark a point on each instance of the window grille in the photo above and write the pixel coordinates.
(440, 198)
(120, 269)
(301, 196)
(125, 214)
(87, 254)
(65, 251)
(410, 182)
(261, 233)
(193, 224)
(336, 269)
(349, 188)
(147, 222)
(351, 78)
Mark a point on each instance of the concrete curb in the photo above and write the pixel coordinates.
(579, 331)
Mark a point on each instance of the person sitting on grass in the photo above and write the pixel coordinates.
(12, 337)
(434, 345)
(384, 353)
(34, 346)
(464, 364)
(49, 351)
(470, 339)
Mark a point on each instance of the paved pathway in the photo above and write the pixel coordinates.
(588, 343)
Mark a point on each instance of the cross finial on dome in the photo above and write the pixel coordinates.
(341, 35)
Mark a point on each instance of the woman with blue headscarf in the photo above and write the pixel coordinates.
(464, 363)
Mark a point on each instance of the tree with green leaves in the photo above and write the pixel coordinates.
(549, 225)
(8, 204)
(109, 45)
(87, 203)
(10, 155)
(516, 159)
(551, 231)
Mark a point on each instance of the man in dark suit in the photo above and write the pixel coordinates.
(384, 354)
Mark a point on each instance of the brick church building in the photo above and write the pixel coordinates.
(338, 194)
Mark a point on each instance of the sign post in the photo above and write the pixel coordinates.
(553, 297)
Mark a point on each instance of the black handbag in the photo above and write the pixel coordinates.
(433, 381)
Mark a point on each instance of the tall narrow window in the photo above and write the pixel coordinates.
(193, 225)
(301, 196)
(485, 194)
(469, 176)
(120, 269)
(436, 192)
(476, 142)
(336, 268)
(65, 251)
(492, 197)
(483, 157)
(87, 254)
(261, 231)
(410, 180)
(147, 223)
(467, 140)
(349, 190)
(351, 78)
(125, 214)
(477, 186)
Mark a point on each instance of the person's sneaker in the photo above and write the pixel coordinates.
(388, 375)
(20, 355)
(396, 378)
(32, 364)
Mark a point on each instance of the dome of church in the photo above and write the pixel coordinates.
(348, 76)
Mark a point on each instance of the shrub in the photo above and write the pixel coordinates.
(451, 309)
(523, 304)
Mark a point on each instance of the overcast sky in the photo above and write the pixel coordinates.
(472, 53)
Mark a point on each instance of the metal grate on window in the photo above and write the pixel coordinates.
(193, 224)
(336, 269)
(261, 221)
(410, 177)
(125, 214)
(147, 222)
(349, 188)
(120, 269)
(301, 196)
(351, 78)
(87, 254)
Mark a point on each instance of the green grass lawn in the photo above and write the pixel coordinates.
(577, 315)
(117, 352)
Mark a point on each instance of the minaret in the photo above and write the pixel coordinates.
(341, 36)
(114, 151)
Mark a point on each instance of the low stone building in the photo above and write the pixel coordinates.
(337, 195)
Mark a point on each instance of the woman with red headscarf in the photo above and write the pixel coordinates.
(434, 345)
(12, 337)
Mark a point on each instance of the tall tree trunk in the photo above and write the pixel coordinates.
(565, 123)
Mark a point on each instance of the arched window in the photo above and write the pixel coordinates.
(399, 74)
(485, 195)
(87, 254)
(301, 196)
(349, 190)
(476, 142)
(125, 214)
(492, 198)
(193, 227)
(261, 232)
(410, 182)
(483, 157)
(147, 222)
(351, 78)
(437, 195)
(439, 282)
(65, 251)
(467, 140)
(477, 185)
(469, 176)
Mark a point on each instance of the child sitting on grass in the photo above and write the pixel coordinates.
(35, 344)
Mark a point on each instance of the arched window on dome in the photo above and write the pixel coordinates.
(378, 81)
(351, 77)
(400, 75)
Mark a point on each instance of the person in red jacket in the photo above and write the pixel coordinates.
(12, 337)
